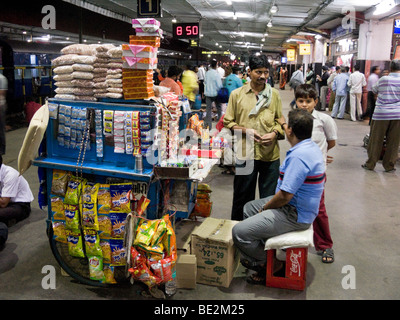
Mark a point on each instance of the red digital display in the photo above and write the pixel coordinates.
(186, 30)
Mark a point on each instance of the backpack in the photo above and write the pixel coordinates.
(223, 95)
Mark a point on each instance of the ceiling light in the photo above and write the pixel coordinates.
(173, 20)
(384, 6)
(318, 36)
(263, 39)
(274, 9)
(228, 2)
(24, 32)
(269, 25)
(266, 34)
(67, 38)
(234, 16)
(216, 43)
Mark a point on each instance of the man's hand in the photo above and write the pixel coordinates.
(268, 138)
(329, 159)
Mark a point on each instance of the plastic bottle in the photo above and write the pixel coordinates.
(170, 286)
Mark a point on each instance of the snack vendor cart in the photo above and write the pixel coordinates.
(82, 144)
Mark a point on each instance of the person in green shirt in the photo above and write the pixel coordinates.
(252, 114)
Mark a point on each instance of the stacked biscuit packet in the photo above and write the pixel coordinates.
(140, 58)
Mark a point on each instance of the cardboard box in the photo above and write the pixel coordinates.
(217, 257)
(186, 270)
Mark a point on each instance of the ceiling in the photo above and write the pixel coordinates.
(249, 32)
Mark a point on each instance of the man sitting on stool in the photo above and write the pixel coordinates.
(15, 195)
(295, 203)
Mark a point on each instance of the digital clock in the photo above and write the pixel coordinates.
(186, 30)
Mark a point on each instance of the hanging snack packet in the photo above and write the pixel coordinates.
(118, 254)
(104, 199)
(155, 252)
(90, 191)
(106, 250)
(142, 205)
(89, 216)
(57, 207)
(141, 272)
(162, 269)
(71, 216)
(159, 234)
(120, 194)
(108, 271)
(75, 246)
(73, 191)
(145, 231)
(96, 268)
(59, 182)
(59, 231)
(169, 239)
(104, 226)
(92, 243)
(118, 221)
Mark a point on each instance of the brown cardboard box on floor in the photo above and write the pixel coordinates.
(183, 232)
(217, 257)
(186, 270)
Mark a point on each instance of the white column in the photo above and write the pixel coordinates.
(375, 40)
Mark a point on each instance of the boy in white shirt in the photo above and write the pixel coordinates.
(324, 134)
(15, 195)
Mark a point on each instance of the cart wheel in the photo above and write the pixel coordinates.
(77, 268)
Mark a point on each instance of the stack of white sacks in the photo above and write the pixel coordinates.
(74, 73)
(100, 70)
(87, 72)
(114, 73)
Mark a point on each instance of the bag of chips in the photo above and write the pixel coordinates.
(118, 221)
(73, 192)
(108, 271)
(57, 207)
(120, 194)
(96, 268)
(71, 216)
(169, 239)
(159, 233)
(59, 231)
(104, 199)
(75, 245)
(145, 231)
(59, 182)
(162, 269)
(104, 226)
(92, 243)
(118, 254)
(106, 250)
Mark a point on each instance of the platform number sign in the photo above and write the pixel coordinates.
(186, 30)
(149, 8)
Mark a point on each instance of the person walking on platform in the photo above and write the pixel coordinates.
(339, 86)
(212, 83)
(253, 111)
(371, 98)
(385, 121)
(296, 79)
(356, 82)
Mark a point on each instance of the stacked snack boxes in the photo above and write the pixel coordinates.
(140, 58)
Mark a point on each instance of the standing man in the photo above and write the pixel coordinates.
(323, 84)
(201, 73)
(232, 81)
(295, 204)
(212, 83)
(371, 98)
(330, 83)
(252, 112)
(339, 86)
(296, 79)
(356, 82)
(385, 121)
(3, 106)
(190, 84)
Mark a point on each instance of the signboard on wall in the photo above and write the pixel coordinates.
(396, 28)
(305, 49)
(149, 8)
(291, 54)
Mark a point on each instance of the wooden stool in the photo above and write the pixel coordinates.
(296, 244)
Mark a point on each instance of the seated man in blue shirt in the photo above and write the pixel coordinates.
(295, 203)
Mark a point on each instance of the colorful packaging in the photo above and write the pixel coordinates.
(96, 268)
(106, 250)
(75, 245)
(59, 233)
(57, 207)
(92, 243)
(118, 221)
(104, 225)
(145, 231)
(108, 271)
(73, 191)
(120, 197)
(104, 199)
(71, 216)
(59, 182)
(118, 253)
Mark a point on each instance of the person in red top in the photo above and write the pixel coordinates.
(170, 81)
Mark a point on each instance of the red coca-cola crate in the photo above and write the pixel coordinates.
(295, 269)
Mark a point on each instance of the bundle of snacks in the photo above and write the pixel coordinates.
(203, 204)
(100, 70)
(153, 252)
(114, 73)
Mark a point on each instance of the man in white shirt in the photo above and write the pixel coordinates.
(15, 195)
(221, 71)
(201, 74)
(355, 83)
